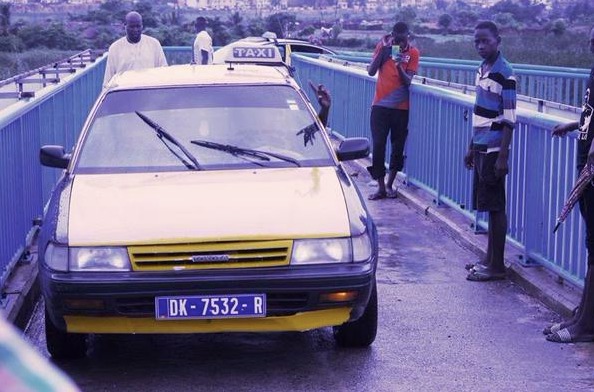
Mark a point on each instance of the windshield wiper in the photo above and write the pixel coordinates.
(234, 150)
(163, 134)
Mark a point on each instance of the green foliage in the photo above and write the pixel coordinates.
(11, 43)
(280, 22)
(51, 36)
(15, 63)
(558, 26)
(524, 11)
(4, 18)
(256, 27)
(444, 21)
(567, 50)
(218, 32)
(406, 14)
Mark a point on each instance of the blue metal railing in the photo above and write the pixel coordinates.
(541, 175)
(542, 169)
(54, 116)
(557, 84)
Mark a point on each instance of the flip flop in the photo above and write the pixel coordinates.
(392, 194)
(552, 329)
(471, 266)
(377, 196)
(564, 336)
(484, 275)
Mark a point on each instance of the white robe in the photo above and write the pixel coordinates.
(125, 56)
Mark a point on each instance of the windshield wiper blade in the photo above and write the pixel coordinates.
(163, 134)
(234, 150)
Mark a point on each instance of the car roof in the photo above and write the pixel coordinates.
(283, 41)
(196, 75)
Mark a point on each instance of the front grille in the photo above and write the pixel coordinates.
(210, 255)
(277, 304)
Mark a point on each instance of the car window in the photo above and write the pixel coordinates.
(307, 49)
(269, 118)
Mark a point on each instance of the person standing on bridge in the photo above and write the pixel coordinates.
(202, 49)
(493, 121)
(395, 61)
(580, 328)
(134, 51)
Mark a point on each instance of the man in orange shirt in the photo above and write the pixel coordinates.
(396, 62)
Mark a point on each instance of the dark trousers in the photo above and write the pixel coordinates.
(384, 122)
(587, 211)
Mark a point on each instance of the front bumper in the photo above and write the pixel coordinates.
(292, 298)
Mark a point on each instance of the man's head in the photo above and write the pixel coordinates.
(200, 24)
(487, 40)
(133, 25)
(400, 34)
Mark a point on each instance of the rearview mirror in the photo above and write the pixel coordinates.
(54, 156)
(353, 148)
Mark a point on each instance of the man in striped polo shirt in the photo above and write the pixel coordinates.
(493, 121)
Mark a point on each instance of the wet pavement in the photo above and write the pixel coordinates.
(437, 332)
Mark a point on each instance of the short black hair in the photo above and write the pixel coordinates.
(400, 28)
(201, 20)
(487, 24)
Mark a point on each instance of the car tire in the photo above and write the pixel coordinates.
(63, 345)
(361, 332)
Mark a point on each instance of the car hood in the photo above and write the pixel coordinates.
(147, 208)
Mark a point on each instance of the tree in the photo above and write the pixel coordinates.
(4, 18)
(406, 14)
(279, 23)
(444, 21)
(466, 18)
(235, 22)
(558, 27)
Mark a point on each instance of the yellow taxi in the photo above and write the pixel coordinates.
(203, 199)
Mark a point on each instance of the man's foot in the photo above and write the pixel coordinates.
(391, 193)
(555, 327)
(570, 335)
(377, 195)
(481, 273)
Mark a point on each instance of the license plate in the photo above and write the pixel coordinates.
(210, 306)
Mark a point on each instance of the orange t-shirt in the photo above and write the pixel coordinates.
(390, 92)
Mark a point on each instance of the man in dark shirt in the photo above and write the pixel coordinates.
(580, 328)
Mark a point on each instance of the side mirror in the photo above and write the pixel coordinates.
(353, 148)
(54, 156)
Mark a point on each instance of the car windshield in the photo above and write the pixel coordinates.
(153, 130)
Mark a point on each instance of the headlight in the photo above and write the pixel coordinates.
(322, 251)
(56, 257)
(99, 259)
(362, 249)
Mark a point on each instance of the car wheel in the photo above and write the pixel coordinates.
(361, 332)
(63, 345)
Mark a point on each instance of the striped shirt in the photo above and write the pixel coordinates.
(495, 105)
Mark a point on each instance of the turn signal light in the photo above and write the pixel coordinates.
(339, 296)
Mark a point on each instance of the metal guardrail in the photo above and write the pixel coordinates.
(557, 84)
(43, 76)
(542, 169)
(54, 115)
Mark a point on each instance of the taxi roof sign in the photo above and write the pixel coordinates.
(248, 53)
